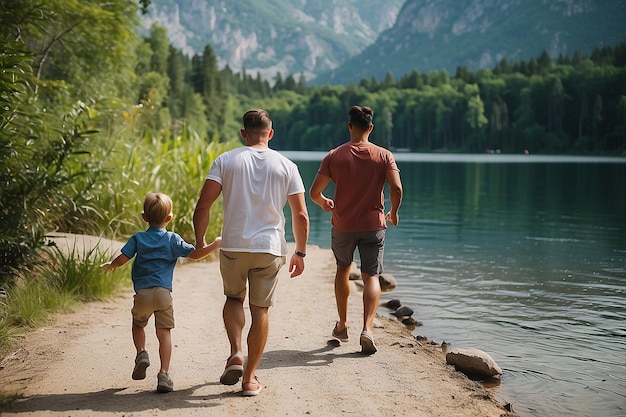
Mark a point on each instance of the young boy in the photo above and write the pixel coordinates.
(157, 252)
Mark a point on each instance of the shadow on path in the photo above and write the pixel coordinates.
(115, 400)
(318, 357)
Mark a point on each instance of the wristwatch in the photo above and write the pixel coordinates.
(300, 254)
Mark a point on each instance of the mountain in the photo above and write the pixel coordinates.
(291, 37)
(433, 35)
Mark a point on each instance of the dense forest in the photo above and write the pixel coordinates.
(572, 104)
(94, 115)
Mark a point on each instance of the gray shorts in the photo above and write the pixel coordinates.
(371, 246)
(259, 270)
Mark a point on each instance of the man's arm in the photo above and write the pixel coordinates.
(319, 183)
(300, 226)
(201, 215)
(395, 195)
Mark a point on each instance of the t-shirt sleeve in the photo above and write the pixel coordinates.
(130, 248)
(296, 185)
(324, 168)
(180, 248)
(215, 173)
(391, 162)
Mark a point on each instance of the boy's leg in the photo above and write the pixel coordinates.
(165, 348)
(141, 311)
(142, 361)
(164, 323)
(139, 338)
(164, 381)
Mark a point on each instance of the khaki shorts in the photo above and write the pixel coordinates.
(157, 301)
(260, 270)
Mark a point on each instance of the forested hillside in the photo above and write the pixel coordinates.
(474, 34)
(571, 105)
(274, 36)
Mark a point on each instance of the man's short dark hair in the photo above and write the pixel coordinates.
(257, 120)
(361, 116)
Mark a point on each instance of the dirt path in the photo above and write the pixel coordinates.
(81, 364)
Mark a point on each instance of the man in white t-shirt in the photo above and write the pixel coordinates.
(256, 182)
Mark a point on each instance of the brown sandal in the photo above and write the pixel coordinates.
(233, 370)
(251, 392)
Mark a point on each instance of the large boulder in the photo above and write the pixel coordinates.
(473, 362)
(403, 311)
(387, 282)
(393, 304)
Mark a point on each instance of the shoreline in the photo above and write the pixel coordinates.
(82, 361)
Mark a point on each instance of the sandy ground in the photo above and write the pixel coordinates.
(80, 364)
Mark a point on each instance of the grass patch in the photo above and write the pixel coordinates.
(30, 304)
(57, 285)
(78, 273)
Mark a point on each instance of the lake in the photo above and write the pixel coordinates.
(521, 256)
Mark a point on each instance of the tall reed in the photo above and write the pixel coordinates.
(158, 162)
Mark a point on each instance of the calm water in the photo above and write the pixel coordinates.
(523, 257)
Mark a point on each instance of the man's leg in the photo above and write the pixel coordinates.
(371, 298)
(342, 292)
(257, 337)
(234, 321)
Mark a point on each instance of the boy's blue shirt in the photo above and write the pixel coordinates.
(157, 252)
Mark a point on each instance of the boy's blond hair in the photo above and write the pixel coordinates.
(156, 207)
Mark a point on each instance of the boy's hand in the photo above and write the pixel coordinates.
(108, 266)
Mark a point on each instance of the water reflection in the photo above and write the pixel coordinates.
(525, 260)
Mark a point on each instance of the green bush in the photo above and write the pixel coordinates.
(78, 274)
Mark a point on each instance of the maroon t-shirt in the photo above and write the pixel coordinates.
(358, 171)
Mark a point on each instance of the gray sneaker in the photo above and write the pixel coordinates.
(367, 344)
(142, 361)
(342, 335)
(165, 382)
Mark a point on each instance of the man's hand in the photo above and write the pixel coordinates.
(296, 265)
(392, 217)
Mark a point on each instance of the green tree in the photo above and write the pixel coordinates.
(56, 61)
(96, 34)
(160, 47)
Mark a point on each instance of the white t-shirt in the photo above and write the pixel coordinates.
(255, 185)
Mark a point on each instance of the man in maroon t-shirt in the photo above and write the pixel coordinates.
(359, 170)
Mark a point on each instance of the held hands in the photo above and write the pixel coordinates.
(204, 250)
